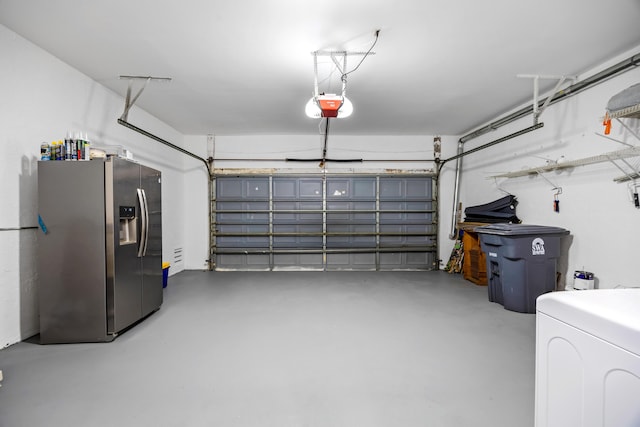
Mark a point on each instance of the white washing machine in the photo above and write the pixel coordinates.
(588, 358)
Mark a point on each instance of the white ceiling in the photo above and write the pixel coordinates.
(245, 66)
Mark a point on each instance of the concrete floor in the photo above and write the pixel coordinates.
(299, 349)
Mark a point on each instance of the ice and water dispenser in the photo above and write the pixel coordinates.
(128, 228)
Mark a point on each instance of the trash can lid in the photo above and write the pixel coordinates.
(504, 229)
(165, 265)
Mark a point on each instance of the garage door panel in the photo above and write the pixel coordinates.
(284, 212)
(351, 235)
(364, 216)
(358, 261)
(257, 188)
(418, 188)
(391, 188)
(243, 262)
(298, 261)
(285, 188)
(391, 260)
(313, 217)
(310, 188)
(230, 188)
(364, 188)
(257, 212)
(391, 212)
(338, 211)
(416, 259)
(338, 188)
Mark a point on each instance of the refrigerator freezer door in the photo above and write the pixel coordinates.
(152, 259)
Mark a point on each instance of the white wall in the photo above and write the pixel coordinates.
(604, 224)
(304, 147)
(43, 99)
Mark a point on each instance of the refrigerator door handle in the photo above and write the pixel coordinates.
(144, 218)
(146, 223)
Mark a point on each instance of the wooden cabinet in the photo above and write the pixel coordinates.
(474, 264)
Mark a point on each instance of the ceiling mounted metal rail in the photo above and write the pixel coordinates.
(575, 88)
(165, 142)
(496, 141)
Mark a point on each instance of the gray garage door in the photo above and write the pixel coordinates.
(324, 222)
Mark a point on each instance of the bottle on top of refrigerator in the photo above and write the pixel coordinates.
(60, 150)
(45, 151)
(77, 139)
(68, 143)
(82, 150)
(81, 144)
(86, 148)
(60, 154)
(74, 146)
(54, 150)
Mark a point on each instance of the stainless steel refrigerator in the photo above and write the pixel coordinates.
(99, 248)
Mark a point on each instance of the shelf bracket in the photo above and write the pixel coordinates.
(128, 102)
(555, 188)
(627, 175)
(624, 125)
(537, 108)
(499, 187)
(633, 186)
(614, 140)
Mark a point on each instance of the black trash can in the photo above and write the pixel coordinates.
(521, 262)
